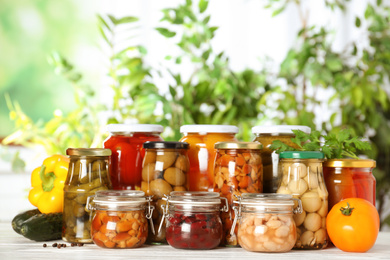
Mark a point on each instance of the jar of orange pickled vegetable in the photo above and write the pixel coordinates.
(125, 142)
(238, 169)
(266, 135)
(349, 178)
(119, 218)
(201, 153)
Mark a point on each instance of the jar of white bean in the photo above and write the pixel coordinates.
(265, 221)
(302, 177)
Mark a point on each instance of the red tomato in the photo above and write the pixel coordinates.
(353, 225)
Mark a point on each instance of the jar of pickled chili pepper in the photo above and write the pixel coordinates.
(302, 177)
(201, 153)
(125, 142)
(193, 219)
(165, 169)
(238, 169)
(265, 221)
(119, 218)
(349, 178)
(266, 135)
(88, 173)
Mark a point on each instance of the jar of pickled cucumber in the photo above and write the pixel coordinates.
(266, 135)
(164, 169)
(119, 218)
(238, 169)
(302, 177)
(265, 221)
(201, 153)
(88, 173)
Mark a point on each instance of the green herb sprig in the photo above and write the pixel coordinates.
(334, 146)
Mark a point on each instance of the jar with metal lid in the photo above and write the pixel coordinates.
(265, 221)
(125, 142)
(349, 178)
(238, 169)
(201, 153)
(302, 177)
(165, 169)
(88, 173)
(266, 135)
(119, 218)
(193, 219)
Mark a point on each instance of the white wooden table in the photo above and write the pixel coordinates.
(14, 246)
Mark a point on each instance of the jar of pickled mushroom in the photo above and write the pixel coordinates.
(238, 169)
(88, 173)
(125, 142)
(302, 177)
(349, 178)
(266, 135)
(165, 169)
(193, 219)
(119, 218)
(265, 222)
(201, 153)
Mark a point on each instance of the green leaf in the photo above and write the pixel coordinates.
(203, 5)
(357, 22)
(278, 11)
(126, 19)
(334, 64)
(165, 32)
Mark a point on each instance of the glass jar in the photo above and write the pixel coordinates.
(266, 135)
(201, 152)
(302, 177)
(238, 169)
(349, 178)
(88, 173)
(193, 219)
(119, 218)
(125, 142)
(266, 222)
(165, 169)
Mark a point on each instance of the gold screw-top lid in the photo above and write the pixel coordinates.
(360, 163)
(239, 145)
(88, 151)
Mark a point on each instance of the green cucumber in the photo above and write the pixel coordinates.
(18, 220)
(43, 227)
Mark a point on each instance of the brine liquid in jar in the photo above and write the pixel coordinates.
(201, 152)
(88, 173)
(238, 169)
(302, 177)
(125, 142)
(266, 135)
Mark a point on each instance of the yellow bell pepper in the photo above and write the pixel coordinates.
(47, 182)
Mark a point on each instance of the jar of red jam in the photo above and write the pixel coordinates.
(238, 169)
(349, 178)
(266, 135)
(119, 218)
(201, 152)
(125, 142)
(193, 219)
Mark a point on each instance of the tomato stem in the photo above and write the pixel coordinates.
(346, 211)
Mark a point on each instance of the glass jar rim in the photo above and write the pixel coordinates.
(239, 145)
(165, 145)
(265, 199)
(204, 129)
(134, 128)
(88, 152)
(194, 197)
(122, 198)
(280, 129)
(354, 163)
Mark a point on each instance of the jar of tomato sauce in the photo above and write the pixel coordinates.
(201, 153)
(125, 142)
(266, 135)
(349, 178)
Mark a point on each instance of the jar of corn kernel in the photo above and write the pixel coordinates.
(120, 218)
(266, 221)
(302, 177)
